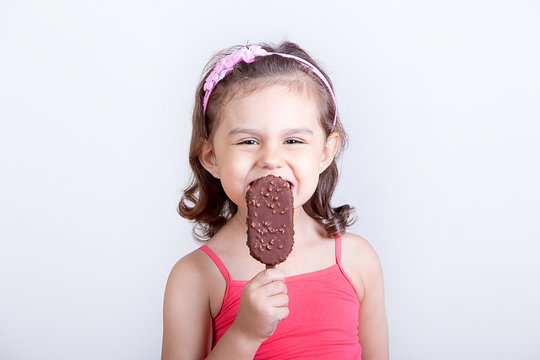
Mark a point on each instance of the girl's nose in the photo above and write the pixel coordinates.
(271, 157)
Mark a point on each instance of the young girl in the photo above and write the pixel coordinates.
(263, 110)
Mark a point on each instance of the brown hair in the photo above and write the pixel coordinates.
(204, 201)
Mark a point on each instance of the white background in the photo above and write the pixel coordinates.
(441, 103)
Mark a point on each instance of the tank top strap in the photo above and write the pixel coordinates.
(337, 241)
(218, 263)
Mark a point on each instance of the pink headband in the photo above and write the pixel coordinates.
(227, 64)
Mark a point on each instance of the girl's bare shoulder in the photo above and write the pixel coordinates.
(359, 246)
(195, 269)
(186, 319)
(360, 262)
(192, 263)
(189, 306)
(196, 274)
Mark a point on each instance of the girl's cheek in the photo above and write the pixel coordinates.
(240, 164)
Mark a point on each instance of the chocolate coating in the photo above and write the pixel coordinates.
(269, 220)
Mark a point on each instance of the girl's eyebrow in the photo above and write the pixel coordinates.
(243, 131)
(301, 130)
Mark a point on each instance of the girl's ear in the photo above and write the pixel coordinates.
(329, 151)
(207, 158)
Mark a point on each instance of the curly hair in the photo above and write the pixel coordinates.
(204, 201)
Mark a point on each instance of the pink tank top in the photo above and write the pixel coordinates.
(323, 315)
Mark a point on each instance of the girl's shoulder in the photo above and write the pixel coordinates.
(194, 263)
(196, 267)
(187, 316)
(360, 262)
(196, 276)
(357, 244)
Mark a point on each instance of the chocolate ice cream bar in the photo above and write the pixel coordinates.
(269, 220)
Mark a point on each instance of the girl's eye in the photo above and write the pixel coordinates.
(248, 142)
(293, 141)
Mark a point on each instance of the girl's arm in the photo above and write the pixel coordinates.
(367, 277)
(187, 319)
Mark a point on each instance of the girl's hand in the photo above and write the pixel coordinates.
(262, 306)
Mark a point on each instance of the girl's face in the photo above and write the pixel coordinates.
(271, 131)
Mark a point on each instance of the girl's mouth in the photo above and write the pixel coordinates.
(290, 184)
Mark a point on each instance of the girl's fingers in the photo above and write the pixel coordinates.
(274, 288)
(280, 300)
(268, 282)
(281, 312)
(267, 276)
